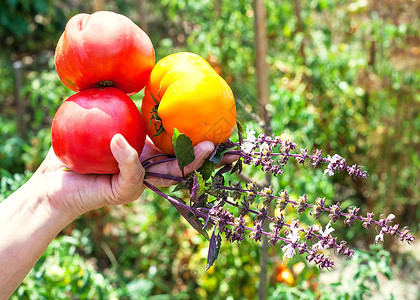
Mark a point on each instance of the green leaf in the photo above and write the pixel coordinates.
(155, 116)
(216, 158)
(201, 183)
(220, 151)
(154, 99)
(198, 188)
(184, 150)
(180, 187)
(158, 130)
(207, 169)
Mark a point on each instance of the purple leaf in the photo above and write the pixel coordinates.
(191, 218)
(237, 167)
(214, 248)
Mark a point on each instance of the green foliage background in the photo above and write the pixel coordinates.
(344, 77)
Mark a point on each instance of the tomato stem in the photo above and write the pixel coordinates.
(105, 83)
(155, 116)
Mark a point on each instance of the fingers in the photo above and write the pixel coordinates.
(128, 184)
(201, 151)
(149, 150)
(227, 159)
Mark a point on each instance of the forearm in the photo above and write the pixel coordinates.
(32, 217)
(27, 225)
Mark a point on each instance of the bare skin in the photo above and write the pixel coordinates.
(53, 197)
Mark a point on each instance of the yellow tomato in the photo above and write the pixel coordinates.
(185, 92)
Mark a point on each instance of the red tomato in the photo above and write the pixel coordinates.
(104, 49)
(85, 123)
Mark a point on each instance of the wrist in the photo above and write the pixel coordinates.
(28, 224)
(37, 200)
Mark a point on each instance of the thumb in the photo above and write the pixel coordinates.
(128, 184)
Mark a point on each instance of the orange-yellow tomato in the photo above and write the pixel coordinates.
(185, 92)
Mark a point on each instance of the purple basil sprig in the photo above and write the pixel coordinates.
(260, 151)
(213, 201)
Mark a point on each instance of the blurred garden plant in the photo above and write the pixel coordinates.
(353, 90)
(213, 199)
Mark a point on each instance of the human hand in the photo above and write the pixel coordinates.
(156, 163)
(74, 194)
(54, 196)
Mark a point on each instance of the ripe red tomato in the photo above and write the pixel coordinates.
(85, 123)
(104, 49)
